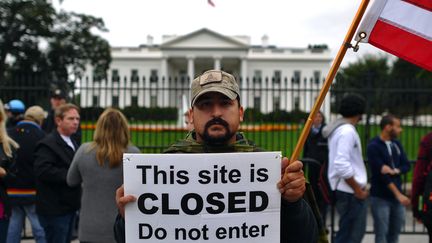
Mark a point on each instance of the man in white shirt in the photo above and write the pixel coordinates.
(347, 172)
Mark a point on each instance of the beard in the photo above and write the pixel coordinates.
(217, 140)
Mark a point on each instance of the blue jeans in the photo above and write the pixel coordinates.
(58, 229)
(352, 221)
(388, 219)
(3, 229)
(16, 223)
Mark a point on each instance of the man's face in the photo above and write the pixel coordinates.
(318, 119)
(395, 129)
(216, 118)
(56, 102)
(69, 124)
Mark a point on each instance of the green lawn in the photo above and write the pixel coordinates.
(285, 141)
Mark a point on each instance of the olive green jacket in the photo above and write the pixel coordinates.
(298, 224)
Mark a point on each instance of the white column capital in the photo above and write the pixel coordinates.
(190, 57)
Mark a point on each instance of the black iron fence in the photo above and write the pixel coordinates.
(275, 110)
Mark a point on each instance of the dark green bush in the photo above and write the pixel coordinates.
(276, 116)
(151, 113)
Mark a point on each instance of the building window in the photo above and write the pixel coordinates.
(96, 77)
(153, 101)
(257, 103)
(317, 76)
(115, 76)
(95, 100)
(297, 77)
(115, 101)
(257, 76)
(134, 101)
(134, 75)
(277, 76)
(153, 76)
(276, 103)
(183, 76)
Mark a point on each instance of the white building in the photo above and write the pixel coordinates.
(144, 75)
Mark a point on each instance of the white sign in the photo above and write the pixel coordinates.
(214, 198)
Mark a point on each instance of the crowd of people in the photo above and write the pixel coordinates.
(47, 176)
(343, 181)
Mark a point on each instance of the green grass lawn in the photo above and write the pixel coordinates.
(285, 141)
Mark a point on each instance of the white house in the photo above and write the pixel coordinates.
(157, 74)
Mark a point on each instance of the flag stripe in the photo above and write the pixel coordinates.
(426, 4)
(401, 14)
(402, 43)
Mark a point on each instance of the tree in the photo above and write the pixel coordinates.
(367, 77)
(22, 23)
(68, 41)
(412, 86)
(399, 87)
(74, 45)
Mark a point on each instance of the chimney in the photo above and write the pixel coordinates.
(264, 41)
(149, 40)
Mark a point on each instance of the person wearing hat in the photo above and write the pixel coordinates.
(347, 172)
(15, 112)
(21, 188)
(57, 98)
(216, 114)
(8, 148)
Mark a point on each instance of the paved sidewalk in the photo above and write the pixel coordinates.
(369, 238)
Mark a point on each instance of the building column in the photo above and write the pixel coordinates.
(301, 94)
(243, 77)
(164, 80)
(191, 67)
(217, 62)
(164, 67)
(309, 95)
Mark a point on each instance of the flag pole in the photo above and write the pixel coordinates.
(330, 76)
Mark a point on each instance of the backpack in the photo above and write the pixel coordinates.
(426, 200)
(324, 185)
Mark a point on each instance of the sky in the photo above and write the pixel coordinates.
(287, 23)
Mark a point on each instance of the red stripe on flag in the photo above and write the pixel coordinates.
(403, 44)
(426, 4)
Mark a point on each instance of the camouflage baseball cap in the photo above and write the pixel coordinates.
(214, 81)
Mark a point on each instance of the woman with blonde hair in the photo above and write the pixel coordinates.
(7, 155)
(97, 166)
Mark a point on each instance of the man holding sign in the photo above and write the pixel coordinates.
(216, 114)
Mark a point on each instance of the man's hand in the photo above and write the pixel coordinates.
(361, 194)
(293, 184)
(2, 172)
(385, 169)
(122, 200)
(404, 200)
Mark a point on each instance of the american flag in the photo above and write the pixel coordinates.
(401, 27)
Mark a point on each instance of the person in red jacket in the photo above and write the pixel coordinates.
(422, 168)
